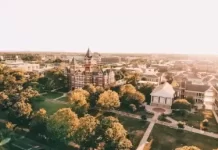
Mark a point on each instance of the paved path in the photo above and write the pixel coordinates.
(147, 133)
(171, 125)
(215, 115)
(64, 95)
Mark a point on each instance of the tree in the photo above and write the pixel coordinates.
(113, 134)
(129, 95)
(181, 125)
(28, 93)
(127, 89)
(144, 117)
(86, 131)
(191, 100)
(38, 122)
(62, 125)
(79, 100)
(109, 99)
(20, 113)
(90, 88)
(181, 104)
(133, 107)
(124, 144)
(188, 148)
(54, 78)
(3, 100)
(146, 89)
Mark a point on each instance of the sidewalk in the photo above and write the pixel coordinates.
(147, 133)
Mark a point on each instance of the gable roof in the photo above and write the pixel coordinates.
(164, 90)
(197, 88)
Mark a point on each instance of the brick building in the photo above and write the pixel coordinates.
(90, 72)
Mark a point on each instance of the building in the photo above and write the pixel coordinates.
(90, 72)
(19, 64)
(163, 95)
(110, 60)
(202, 94)
(149, 79)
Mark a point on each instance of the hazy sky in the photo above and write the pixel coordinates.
(139, 26)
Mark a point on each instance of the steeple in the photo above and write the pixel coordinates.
(73, 62)
(88, 54)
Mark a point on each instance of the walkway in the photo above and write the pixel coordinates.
(64, 95)
(147, 133)
(215, 115)
(154, 120)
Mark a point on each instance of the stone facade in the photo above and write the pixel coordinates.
(89, 73)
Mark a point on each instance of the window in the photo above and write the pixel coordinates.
(158, 99)
(165, 100)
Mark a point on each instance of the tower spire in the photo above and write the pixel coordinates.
(88, 53)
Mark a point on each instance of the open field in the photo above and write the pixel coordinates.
(196, 118)
(135, 128)
(52, 95)
(49, 106)
(165, 138)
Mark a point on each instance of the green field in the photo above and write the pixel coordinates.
(196, 118)
(52, 95)
(135, 128)
(63, 99)
(165, 138)
(50, 107)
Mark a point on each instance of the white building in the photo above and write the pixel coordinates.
(19, 64)
(163, 95)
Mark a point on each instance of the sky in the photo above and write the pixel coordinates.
(110, 26)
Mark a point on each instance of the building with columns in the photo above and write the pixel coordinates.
(163, 95)
(90, 72)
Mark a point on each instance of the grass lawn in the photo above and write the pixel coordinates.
(135, 129)
(196, 118)
(52, 95)
(63, 99)
(139, 112)
(165, 138)
(49, 106)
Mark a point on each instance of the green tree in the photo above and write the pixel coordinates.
(181, 104)
(79, 100)
(3, 100)
(109, 99)
(191, 100)
(38, 122)
(129, 95)
(20, 113)
(62, 125)
(112, 134)
(146, 89)
(124, 144)
(86, 131)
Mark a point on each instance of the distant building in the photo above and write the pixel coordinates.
(19, 64)
(110, 60)
(89, 73)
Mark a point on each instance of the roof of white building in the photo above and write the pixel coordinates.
(164, 90)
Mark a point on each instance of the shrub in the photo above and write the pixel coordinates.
(144, 117)
(162, 117)
(205, 122)
(181, 125)
(132, 107)
(181, 104)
